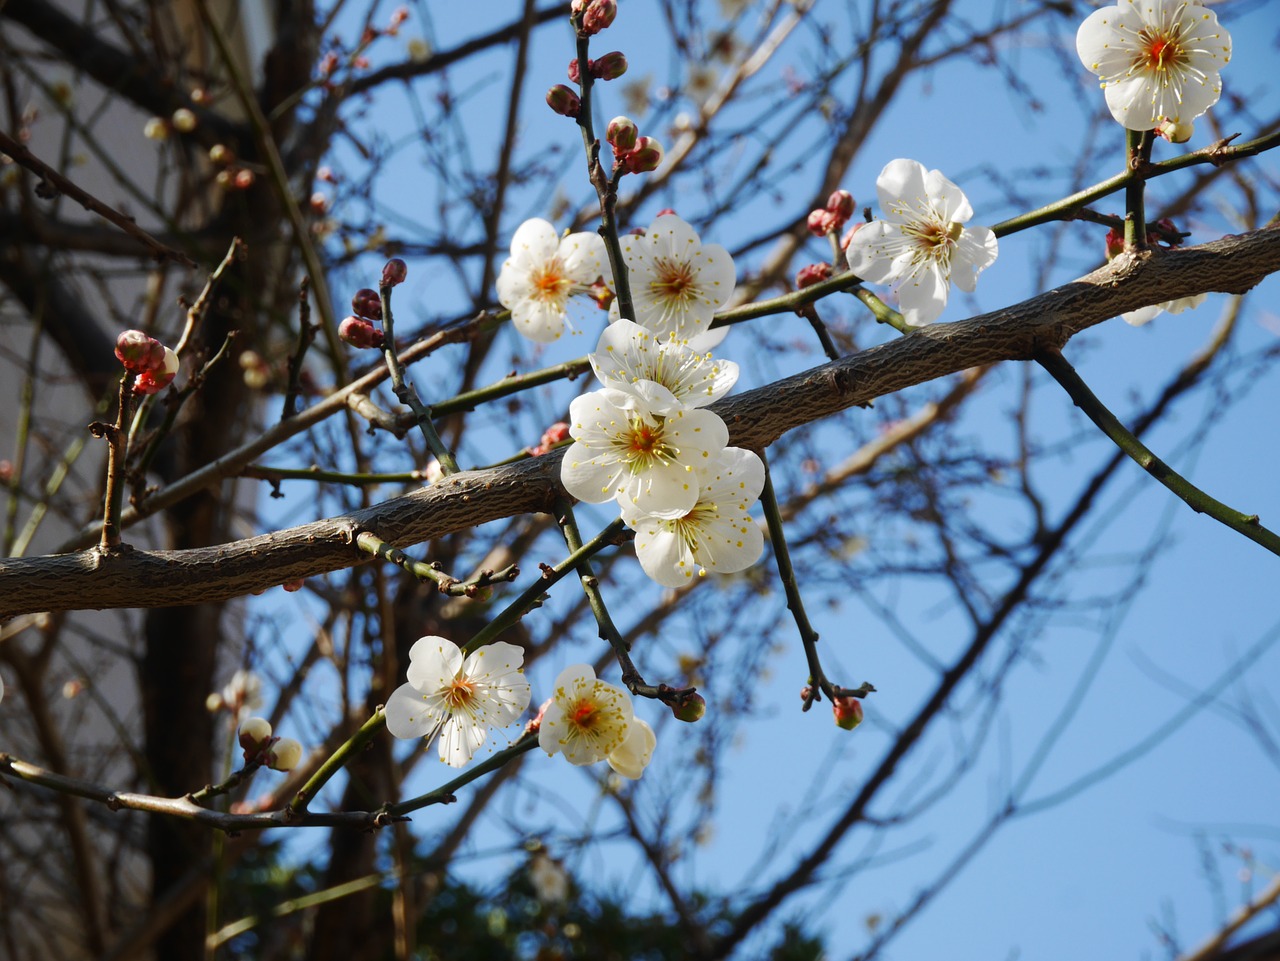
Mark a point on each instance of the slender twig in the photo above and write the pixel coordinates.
(1109, 424)
(446, 584)
(444, 794)
(115, 437)
(404, 389)
(818, 682)
(335, 763)
(810, 313)
(277, 474)
(226, 786)
(306, 337)
(56, 182)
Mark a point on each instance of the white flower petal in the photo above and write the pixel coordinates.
(632, 756)
(433, 662)
(408, 714)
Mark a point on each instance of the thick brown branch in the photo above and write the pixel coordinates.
(756, 418)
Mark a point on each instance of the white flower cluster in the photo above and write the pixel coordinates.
(645, 440)
(460, 698)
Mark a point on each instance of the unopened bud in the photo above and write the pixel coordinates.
(157, 379)
(822, 222)
(601, 293)
(221, 154)
(358, 332)
(294, 585)
(848, 234)
(1175, 131)
(609, 67)
(598, 15)
(841, 204)
(138, 351)
(812, 274)
(284, 754)
(847, 712)
(366, 303)
(690, 709)
(666, 212)
(183, 120)
(575, 75)
(254, 735)
(156, 129)
(563, 101)
(244, 179)
(394, 272)
(621, 134)
(1115, 243)
(646, 156)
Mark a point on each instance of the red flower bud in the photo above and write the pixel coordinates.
(563, 101)
(621, 134)
(841, 204)
(813, 274)
(156, 379)
(367, 303)
(609, 67)
(667, 212)
(598, 15)
(394, 272)
(575, 75)
(847, 712)
(1115, 243)
(822, 222)
(690, 709)
(644, 157)
(138, 351)
(358, 332)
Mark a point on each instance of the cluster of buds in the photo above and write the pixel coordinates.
(632, 153)
(609, 67)
(553, 435)
(358, 330)
(831, 218)
(154, 364)
(596, 15)
(260, 747)
(231, 176)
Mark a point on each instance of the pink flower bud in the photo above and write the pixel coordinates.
(667, 212)
(294, 585)
(255, 734)
(550, 437)
(598, 15)
(822, 222)
(366, 303)
(157, 379)
(847, 712)
(575, 75)
(621, 134)
(394, 272)
(358, 332)
(244, 179)
(609, 67)
(138, 351)
(690, 709)
(1115, 243)
(563, 101)
(841, 204)
(646, 156)
(812, 274)
(848, 234)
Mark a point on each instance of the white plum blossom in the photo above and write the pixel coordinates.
(586, 719)
(632, 756)
(1157, 60)
(543, 272)
(461, 699)
(628, 353)
(678, 282)
(550, 881)
(641, 447)
(921, 246)
(718, 534)
(1144, 315)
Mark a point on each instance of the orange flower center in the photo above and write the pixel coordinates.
(584, 715)
(549, 282)
(459, 693)
(675, 280)
(644, 439)
(1161, 51)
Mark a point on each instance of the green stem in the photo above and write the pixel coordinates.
(445, 793)
(404, 390)
(795, 603)
(277, 474)
(370, 543)
(1196, 499)
(1138, 158)
(336, 761)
